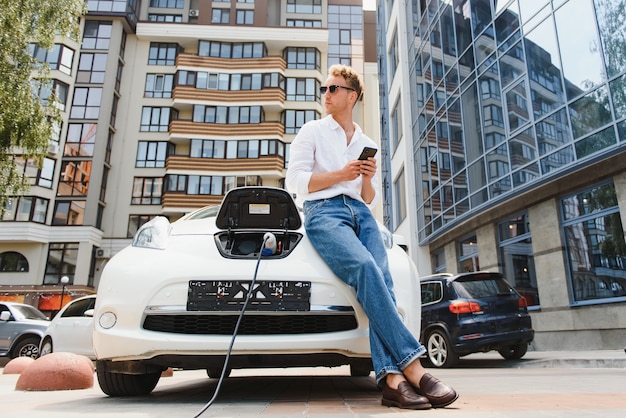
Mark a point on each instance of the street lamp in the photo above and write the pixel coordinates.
(64, 280)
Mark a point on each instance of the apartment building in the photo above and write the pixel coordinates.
(168, 104)
(507, 151)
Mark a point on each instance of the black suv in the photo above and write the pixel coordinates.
(472, 312)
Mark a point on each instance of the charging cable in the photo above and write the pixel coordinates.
(267, 242)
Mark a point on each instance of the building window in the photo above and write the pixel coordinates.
(294, 119)
(108, 5)
(151, 154)
(399, 189)
(595, 246)
(228, 115)
(25, 209)
(155, 119)
(168, 4)
(135, 222)
(61, 262)
(51, 93)
(345, 28)
(516, 257)
(302, 89)
(86, 103)
(91, 68)
(81, 139)
(97, 35)
(304, 6)
(438, 261)
(245, 17)
(69, 212)
(232, 50)
(13, 262)
(74, 178)
(220, 16)
(303, 23)
(147, 191)
(162, 53)
(302, 58)
(60, 57)
(37, 176)
(396, 124)
(194, 185)
(468, 254)
(165, 18)
(159, 85)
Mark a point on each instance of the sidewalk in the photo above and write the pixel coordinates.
(542, 384)
(595, 359)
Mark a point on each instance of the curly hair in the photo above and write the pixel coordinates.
(352, 77)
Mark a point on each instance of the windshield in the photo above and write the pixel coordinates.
(27, 312)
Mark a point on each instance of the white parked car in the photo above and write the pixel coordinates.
(71, 329)
(173, 298)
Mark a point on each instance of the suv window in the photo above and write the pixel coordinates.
(431, 292)
(482, 287)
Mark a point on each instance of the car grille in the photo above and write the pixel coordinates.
(250, 324)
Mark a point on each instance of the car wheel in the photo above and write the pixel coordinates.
(28, 347)
(119, 384)
(216, 372)
(514, 352)
(439, 350)
(46, 347)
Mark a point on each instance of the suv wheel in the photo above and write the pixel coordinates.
(119, 384)
(439, 350)
(28, 347)
(514, 352)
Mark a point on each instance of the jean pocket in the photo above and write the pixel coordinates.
(311, 206)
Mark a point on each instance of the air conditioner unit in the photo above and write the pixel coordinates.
(103, 253)
(194, 12)
(53, 147)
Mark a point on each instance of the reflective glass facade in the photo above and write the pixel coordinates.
(508, 95)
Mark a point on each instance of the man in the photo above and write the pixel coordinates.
(336, 189)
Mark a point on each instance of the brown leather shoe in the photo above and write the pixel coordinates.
(404, 397)
(438, 393)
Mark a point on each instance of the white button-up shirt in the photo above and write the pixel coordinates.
(320, 147)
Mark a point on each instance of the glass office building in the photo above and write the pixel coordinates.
(506, 121)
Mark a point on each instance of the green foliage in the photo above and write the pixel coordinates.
(25, 127)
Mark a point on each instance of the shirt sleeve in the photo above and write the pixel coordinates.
(301, 161)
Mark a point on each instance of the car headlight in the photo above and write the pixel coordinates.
(153, 234)
(387, 236)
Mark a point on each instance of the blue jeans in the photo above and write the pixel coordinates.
(347, 237)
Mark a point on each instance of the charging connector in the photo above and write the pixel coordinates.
(269, 243)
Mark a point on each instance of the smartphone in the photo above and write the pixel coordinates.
(367, 152)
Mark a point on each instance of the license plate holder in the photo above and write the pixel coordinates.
(230, 295)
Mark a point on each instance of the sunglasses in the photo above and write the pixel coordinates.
(333, 88)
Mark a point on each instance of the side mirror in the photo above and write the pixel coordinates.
(5, 316)
(88, 312)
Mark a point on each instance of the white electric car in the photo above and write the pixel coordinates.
(173, 298)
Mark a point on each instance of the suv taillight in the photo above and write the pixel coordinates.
(521, 303)
(463, 307)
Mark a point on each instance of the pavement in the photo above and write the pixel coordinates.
(572, 384)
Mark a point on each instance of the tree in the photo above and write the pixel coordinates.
(25, 122)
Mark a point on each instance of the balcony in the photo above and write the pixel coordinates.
(195, 95)
(265, 64)
(263, 130)
(273, 164)
(175, 202)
